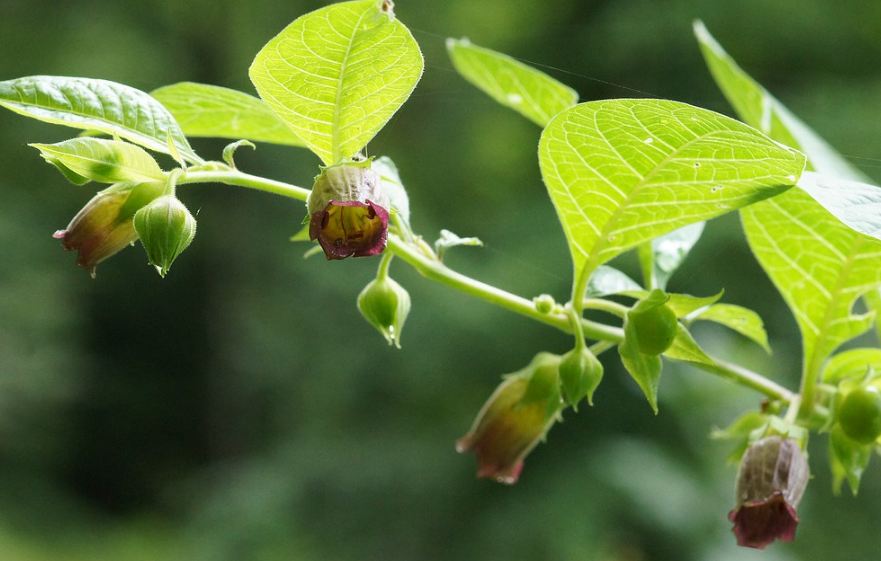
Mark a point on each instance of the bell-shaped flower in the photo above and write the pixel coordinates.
(349, 211)
(771, 480)
(104, 226)
(515, 419)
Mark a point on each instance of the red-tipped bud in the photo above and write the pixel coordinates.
(771, 480)
(348, 211)
(104, 226)
(515, 419)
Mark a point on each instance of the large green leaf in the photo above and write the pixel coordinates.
(530, 92)
(758, 108)
(338, 74)
(216, 112)
(623, 172)
(856, 204)
(97, 105)
(105, 161)
(819, 265)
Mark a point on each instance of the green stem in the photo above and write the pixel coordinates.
(239, 179)
(437, 271)
(433, 269)
(748, 378)
(384, 263)
(607, 306)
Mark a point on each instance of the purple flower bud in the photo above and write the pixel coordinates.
(104, 226)
(771, 480)
(348, 211)
(515, 419)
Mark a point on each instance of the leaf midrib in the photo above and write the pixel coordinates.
(336, 149)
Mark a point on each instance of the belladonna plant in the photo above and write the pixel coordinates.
(624, 175)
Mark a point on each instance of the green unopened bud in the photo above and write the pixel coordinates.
(580, 374)
(385, 304)
(166, 229)
(544, 303)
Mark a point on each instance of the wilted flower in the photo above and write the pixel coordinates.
(166, 228)
(104, 226)
(770, 483)
(348, 211)
(515, 419)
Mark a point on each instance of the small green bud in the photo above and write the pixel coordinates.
(653, 323)
(385, 304)
(860, 415)
(544, 303)
(580, 374)
(166, 229)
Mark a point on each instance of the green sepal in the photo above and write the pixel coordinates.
(644, 369)
(848, 460)
(743, 431)
(544, 381)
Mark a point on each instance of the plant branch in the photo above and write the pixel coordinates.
(429, 267)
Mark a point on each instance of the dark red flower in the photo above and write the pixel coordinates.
(770, 483)
(349, 211)
(350, 228)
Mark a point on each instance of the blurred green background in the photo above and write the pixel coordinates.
(242, 410)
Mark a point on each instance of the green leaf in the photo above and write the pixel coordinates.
(391, 182)
(670, 250)
(684, 304)
(851, 364)
(229, 151)
(819, 265)
(623, 172)
(338, 74)
(855, 204)
(758, 108)
(97, 105)
(530, 92)
(873, 301)
(68, 173)
(737, 318)
(743, 431)
(449, 240)
(644, 369)
(212, 111)
(606, 281)
(104, 161)
(686, 349)
(848, 460)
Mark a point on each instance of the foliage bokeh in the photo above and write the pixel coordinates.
(242, 410)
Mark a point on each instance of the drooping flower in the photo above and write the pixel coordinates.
(104, 226)
(349, 211)
(771, 480)
(515, 419)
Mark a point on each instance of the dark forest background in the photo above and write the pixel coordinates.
(242, 410)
